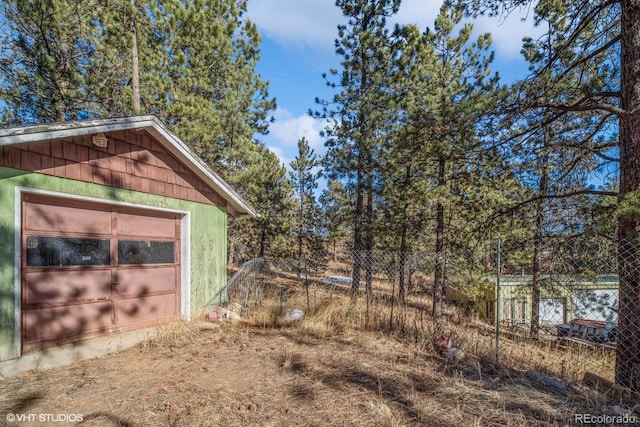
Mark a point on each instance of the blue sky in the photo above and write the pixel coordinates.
(298, 47)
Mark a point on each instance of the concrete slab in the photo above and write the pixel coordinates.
(69, 353)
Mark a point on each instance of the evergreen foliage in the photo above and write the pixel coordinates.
(593, 67)
(358, 115)
(308, 223)
(46, 60)
(191, 63)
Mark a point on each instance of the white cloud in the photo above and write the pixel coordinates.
(418, 12)
(507, 34)
(313, 24)
(297, 23)
(288, 130)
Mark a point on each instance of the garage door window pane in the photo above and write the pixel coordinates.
(145, 252)
(63, 251)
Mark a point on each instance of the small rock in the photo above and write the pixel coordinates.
(216, 313)
(209, 326)
(232, 315)
(294, 315)
(546, 380)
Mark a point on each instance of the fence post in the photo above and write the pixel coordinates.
(393, 291)
(498, 303)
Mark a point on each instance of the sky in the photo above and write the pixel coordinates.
(298, 47)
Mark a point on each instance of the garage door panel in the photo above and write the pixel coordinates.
(89, 270)
(146, 308)
(144, 281)
(146, 226)
(67, 286)
(46, 218)
(54, 323)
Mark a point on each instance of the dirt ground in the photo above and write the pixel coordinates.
(206, 374)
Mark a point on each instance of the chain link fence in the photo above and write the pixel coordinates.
(574, 317)
(566, 308)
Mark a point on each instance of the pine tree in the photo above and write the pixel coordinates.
(556, 156)
(601, 36)
(336, 210)
(209, 92)
(304, 178)
(358, 114)
(455, 98)
(403, 202)
(128, 59)
(45, 61)
(192, 63)
(268, 189)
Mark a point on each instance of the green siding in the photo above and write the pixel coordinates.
(208, 239)
(521, 288)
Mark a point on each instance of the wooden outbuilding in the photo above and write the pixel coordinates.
(106, 226)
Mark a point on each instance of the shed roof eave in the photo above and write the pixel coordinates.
(237, 206)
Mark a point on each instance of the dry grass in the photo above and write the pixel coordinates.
(332, 312)
(345, 363)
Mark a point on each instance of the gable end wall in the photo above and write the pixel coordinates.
(132, 160)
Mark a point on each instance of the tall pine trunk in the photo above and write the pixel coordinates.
(628, 337)
(403, 239)
(360, 229)
(357, 232)
(135, 62)
(439, 285)
(63, 85)
(402, 263)
(369, 239)
(538, 240)
(300, 230)
(263, 242)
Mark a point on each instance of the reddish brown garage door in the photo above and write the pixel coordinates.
(91, 269)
